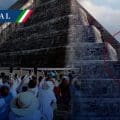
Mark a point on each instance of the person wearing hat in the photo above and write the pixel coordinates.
(25, 107)
(47, 100)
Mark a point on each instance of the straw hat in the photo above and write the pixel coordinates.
(25, 103)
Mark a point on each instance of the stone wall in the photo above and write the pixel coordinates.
(97, 69)
(47, 31)
(106, 36)
(67, 26)
(7, 28)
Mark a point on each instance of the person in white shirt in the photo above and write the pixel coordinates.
(41, 81)
(16, 81)
(47, 100)
(25, 80)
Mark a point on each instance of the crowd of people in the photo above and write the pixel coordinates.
(33, 97)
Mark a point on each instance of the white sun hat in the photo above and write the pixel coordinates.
(28, 101)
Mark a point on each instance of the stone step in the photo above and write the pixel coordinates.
(96, 99)
(74, 32)
(96, 108)
(98, 69)
(48, 11)
(61, 115)
(52, 9)
(94, 118)
(41, 2)
(81, 33)
(42, 14)
(23, 38)
(94, 88)
(36, 41)
(53, 57)
(53, 3)
(47, 26)
(90, 51)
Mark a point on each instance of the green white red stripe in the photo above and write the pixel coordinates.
(24, 15)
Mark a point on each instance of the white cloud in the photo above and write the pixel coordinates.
(107, 16)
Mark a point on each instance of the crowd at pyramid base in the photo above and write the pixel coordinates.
(45, 96)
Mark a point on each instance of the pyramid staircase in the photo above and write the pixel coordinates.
(59, 34)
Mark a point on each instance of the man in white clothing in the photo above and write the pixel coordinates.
(47, 101)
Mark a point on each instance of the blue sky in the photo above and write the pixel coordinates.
(6, 3)
(115, 4)
(107, 12)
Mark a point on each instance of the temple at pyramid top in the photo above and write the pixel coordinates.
(60, 33)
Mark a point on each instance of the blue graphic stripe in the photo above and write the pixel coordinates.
(9, 15)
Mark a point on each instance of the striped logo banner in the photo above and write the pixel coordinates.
(16, 16)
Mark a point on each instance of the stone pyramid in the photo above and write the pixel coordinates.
(61, 33)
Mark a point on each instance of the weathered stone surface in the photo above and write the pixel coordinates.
(58, 1)
(98, 69)
(97, 107)
(94, 118)
(61, 33)
(36, 41)
(47, 26)
(102, 88)
(90, 51)
(96, 99)
(37, 58)
(49, 13)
